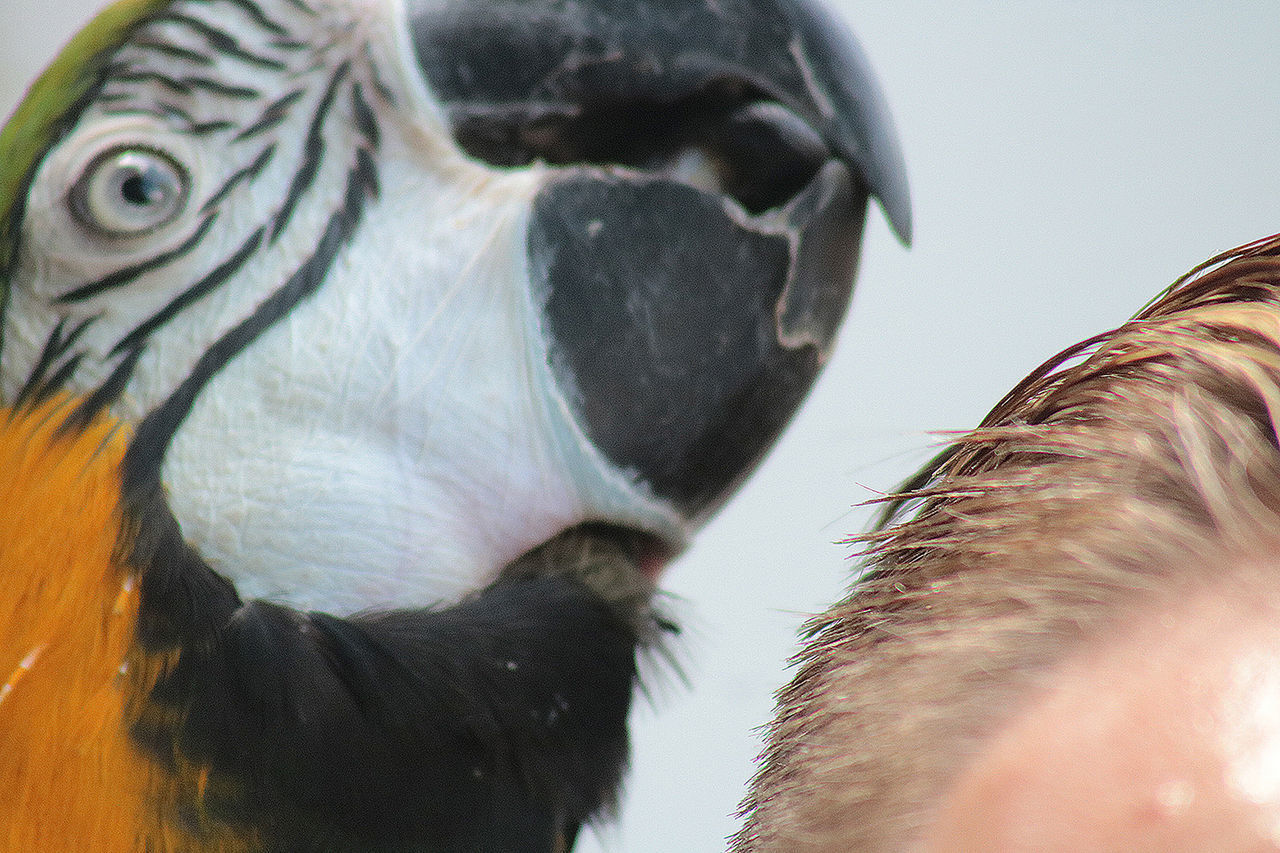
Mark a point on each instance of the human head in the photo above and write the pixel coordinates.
(1104, 518)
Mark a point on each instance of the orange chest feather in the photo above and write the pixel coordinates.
(71, 676)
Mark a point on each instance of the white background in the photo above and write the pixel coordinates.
(1068, 159)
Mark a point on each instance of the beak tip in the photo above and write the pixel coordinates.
(861, 124)
(898, 212)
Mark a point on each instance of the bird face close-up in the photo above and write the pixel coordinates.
(363, 363)
(397, 291)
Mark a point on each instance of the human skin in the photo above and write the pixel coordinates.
(1163, 735)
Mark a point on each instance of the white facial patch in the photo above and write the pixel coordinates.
(393, 435)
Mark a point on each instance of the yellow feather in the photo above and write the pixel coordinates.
(73, 677)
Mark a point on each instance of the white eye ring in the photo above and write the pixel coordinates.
(128, 191)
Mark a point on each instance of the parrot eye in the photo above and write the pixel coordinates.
(128, 191)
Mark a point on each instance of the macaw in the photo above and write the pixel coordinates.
(363, 362)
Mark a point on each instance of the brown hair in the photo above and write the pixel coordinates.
(1128, 467)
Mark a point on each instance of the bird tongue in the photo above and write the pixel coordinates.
(619, 565)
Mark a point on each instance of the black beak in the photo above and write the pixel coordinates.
(608, 81)
(696, 255)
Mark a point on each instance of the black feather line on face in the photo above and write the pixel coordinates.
(104, 395)
(221, 42)
(163, 110)
(137, 338)
(257, 15)
(276, 112)
(365, 118)
(36, 388)
(248, 173)
(131, 76)
(217, 87)
(128, 275)
(172, 51)
(146, 452)
(313, 152)
(184, 85)
(208, 128)
(304, 7)
(57, 380)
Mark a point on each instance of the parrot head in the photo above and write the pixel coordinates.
(354, 357)
(396, 290)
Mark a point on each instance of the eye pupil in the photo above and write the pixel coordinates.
(137, 190)
(127, 192)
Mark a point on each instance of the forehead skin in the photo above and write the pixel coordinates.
(1166, 737)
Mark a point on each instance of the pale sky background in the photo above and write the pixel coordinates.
(1067, 160)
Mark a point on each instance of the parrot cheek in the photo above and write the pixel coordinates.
(400, 435)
